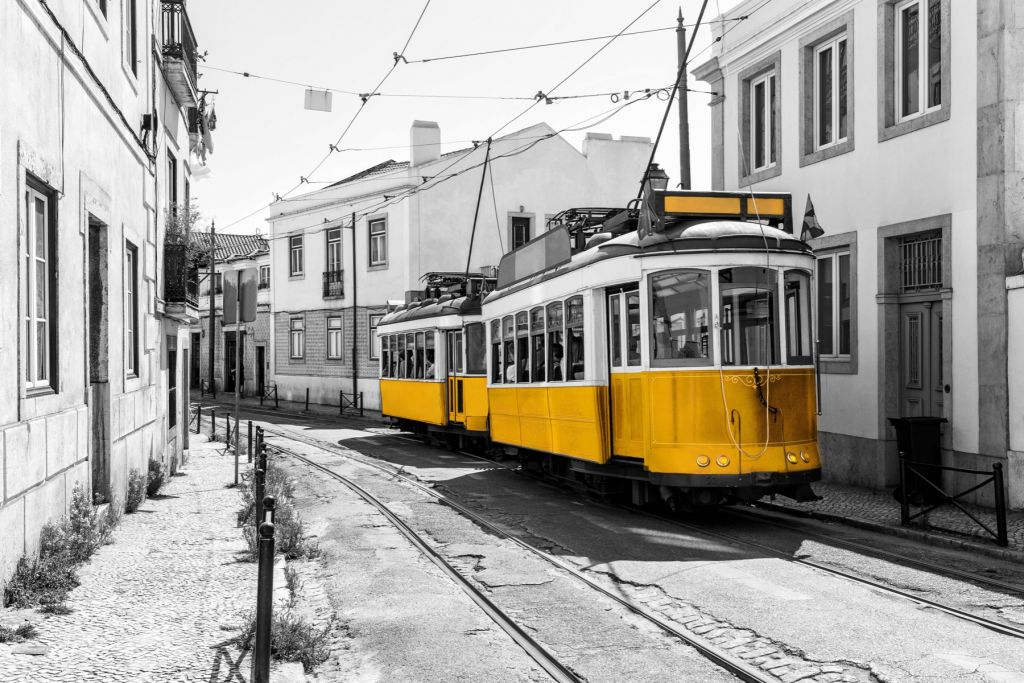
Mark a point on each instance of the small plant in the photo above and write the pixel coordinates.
(108, 522)
(46, 579)
(55, 608)
(155, 480)
(16, 634)
(294, 584)
(293, 639)
(136, 491)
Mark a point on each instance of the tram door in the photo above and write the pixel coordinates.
(455, 369)
(625, 382)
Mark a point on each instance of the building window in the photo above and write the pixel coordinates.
(762, 122)
(374, 339)
(102, 4)
(831, 106)
(40, 286)
(218, 283)
(918, 52)
(334, 250)
(295, 266)
(172, 183)
(131, 309)
(834, 305)
(378, 241)
(520, 228)
(921, 263)
(131, 43)
(334, 338)
(172, 381)
(264, 277)
(297, 338)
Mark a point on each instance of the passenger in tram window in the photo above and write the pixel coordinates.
(510, 374)
(557, 362)
(428, 365)
(510, 361)
(576, 364)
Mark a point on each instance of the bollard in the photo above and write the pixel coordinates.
(904, 494)
(360, 404)
(227, 425)
(199, 419)
(307, 399)
(258, 498)
(261, 397)
(248, 445)
(268, 509)
(264, 605)
(213, 424)
(341, 403)
(275, 398)
(997, 476)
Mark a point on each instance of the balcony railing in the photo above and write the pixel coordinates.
(334, 283)
(179, 52)
(181, 285)
(264, 284)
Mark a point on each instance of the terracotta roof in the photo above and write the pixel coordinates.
(230, 246)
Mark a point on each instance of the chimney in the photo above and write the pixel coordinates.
(424, 142)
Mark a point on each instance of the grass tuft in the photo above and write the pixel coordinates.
(136, 491)
(292, 639)
(16, 634)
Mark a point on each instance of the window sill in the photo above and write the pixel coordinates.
(827, 153)
(39, 392)
(761, 176)
(917, 123)
(297, 276)
(838, 366)
(378, 266)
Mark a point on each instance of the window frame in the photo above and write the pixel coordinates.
(377, 239)
(712, 310)
(264, 282)
(172, 381)
(530, 231)
(296, 253)
(131, 310)
(339, 331)
(841, 28)
(826, 246)
(768, 81)
(770, 66)
(333, 239)
(373, 340)
(923, 27)
(130, 36)
(832, 44)
(296, 338)
(36, 190)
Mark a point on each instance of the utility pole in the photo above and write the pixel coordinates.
(213, 316)
(684, 111)
(355, 317)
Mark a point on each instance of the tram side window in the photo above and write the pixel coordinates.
(679, 318)
(556, 348)
(496, 366)
(475, 362)
(615, 329)
(428, 358)
(522, 347)
(749, 315)
(508, 348)
(574, 336)
(633, 328)
(410, 355)
(798, 317)
(419, 355)
(384, 362)
(402, 360)
(537, 343)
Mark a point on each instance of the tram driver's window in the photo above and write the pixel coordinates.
(475, 362)
(537, 343)
(496, 365)
(522, 347)
(798, 317)
(556, 342)
(574, 337)
(680, 302)
(749, 317)
(428, 356)
(508, 349)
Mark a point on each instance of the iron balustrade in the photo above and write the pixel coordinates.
(179, 41)
(995, 477)
(181, 283)
(334, 283)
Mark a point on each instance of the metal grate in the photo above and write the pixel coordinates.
(921, 263)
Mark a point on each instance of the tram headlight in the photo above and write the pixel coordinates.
(722, 461)
(805, 456)
(703, 461)
(791, 457)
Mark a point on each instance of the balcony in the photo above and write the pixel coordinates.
(179, 52)
(181, 286)
(334, 284)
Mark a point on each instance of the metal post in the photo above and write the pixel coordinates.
(259, 476)
(684, 110)
(307, 399)
(213, 308)
(997, 474)
(239, 340)
(213, 424)
(248, 445)
(268, 509)
(275, 398)
(904, 494)
(261, 397)
(264, 605)
(355, 311)
(360, 404)
(199, 419)
(341, 403)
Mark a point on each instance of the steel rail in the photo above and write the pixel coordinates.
(734, 665)
(554, 668)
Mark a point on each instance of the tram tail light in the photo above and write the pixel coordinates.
(791, 457)
(722, 461)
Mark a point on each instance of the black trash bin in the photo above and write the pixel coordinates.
(918, 438)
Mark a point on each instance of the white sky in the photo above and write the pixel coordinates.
(265, 140)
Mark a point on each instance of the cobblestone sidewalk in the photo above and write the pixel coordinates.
(881, 508)
(161, 602)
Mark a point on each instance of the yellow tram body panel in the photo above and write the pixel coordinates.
(475, 403)
(669, 419)
(414, 400)
(567, 420)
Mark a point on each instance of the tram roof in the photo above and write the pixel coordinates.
(434, 308)
(682, 236)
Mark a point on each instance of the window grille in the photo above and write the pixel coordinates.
(921, 263)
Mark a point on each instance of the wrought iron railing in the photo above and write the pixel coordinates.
(180, 282)
(334, 283)
(179, 42)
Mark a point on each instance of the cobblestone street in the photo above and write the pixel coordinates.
(162, 602)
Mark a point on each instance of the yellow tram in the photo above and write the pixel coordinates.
(671, 352)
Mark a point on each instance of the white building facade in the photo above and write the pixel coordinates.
(94, 153)
(901, 119)
(413, 218)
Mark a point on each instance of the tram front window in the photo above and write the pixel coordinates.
(680, 301)
(749, 315)
(798, 317)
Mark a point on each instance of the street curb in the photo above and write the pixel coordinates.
(901, 532)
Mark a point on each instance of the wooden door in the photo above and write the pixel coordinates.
(921, 372)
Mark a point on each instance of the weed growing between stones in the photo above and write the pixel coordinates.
(155, 480)
(48, 577)
(16, 634)
(294, 584)
(55, 608)
(289, 531)
(292, 639)
(136, 491)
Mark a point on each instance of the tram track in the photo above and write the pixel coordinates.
(733, 664)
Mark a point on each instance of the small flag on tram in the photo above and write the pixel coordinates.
(318, 100)
(811, 229)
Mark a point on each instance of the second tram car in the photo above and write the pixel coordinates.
(670, 353)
